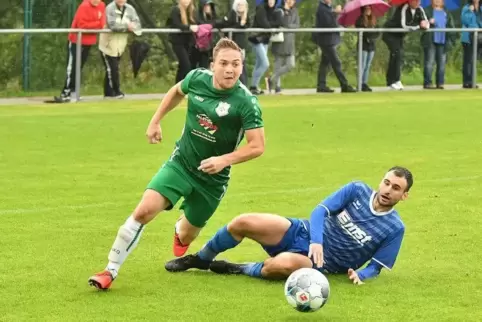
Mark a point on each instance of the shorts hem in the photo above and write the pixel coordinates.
(168, 196)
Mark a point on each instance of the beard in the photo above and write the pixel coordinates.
(385, 201)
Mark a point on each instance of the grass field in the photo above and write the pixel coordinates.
(71, 174)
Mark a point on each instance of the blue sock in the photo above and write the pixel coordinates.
(222, 241)
(253, 269)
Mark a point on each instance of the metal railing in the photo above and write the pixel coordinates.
(359, 31)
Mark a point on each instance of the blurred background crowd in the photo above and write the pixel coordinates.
(129, 60)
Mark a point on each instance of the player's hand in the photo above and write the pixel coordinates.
(432, 21)
(213, 165)
(131, 26)
(353, 276)
(316, 252)
(154, 133)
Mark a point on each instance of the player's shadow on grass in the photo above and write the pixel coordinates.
(333, 279)
(310, 316)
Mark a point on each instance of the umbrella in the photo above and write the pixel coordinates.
(352, 10)
(449, 4)
(138, 51)
(397, 2)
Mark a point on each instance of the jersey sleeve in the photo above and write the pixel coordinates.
(186, 82)
(331, 205)
(389, 249)
(251, 115)
(338, 200)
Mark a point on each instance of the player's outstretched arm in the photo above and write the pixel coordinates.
(253, 149)
(172, 98)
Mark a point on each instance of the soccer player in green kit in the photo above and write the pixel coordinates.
(220, 112)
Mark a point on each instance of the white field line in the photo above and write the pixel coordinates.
(253, 193)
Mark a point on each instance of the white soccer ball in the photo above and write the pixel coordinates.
(307, 290)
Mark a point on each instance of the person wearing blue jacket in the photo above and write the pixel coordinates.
(471, 17)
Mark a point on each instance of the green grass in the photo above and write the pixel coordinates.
(71, 174)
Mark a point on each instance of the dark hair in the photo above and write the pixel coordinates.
(368, 21)
(402, 172)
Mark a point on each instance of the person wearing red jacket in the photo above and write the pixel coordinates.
(89, 15)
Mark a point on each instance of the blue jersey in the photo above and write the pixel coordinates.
(352, 232)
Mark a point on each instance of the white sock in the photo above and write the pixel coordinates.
(177, 226)
(126, 241)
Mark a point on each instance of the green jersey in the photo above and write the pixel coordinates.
(216, 121)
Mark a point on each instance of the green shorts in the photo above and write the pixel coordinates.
(201, 200)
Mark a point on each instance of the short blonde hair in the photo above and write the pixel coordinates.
(225, 43)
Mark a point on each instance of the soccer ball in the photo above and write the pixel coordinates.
(307, 290)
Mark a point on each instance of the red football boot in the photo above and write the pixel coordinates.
(102, 280)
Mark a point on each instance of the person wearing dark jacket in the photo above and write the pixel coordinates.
(471, 17)
(206, 15)
(410, 16)
(436, 44)
(284, 52)
(182, 17)
(266, 17)
(328, 41)
(367, 20)
(238, 18)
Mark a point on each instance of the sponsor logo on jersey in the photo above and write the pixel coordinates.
(206, 123)
(352, 229)
(222, 109)
(199, 98)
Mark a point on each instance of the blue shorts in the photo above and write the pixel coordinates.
(295, 240)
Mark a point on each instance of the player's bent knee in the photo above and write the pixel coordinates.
(151, 204)
(144, 214)
(241, 224)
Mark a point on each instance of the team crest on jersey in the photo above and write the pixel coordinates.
(206, 123)
(222, 109)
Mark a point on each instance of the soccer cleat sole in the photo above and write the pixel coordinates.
(180, 264)
(97, 285)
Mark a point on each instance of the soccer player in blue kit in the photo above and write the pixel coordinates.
(352, 226)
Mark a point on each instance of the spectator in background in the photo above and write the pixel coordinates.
(367, 20)
(89, 15)
(436, 44)
(266, 17)
(182, 17)
(328, 41)
(238, 18)
(121, 17)
(409, 16)
(471, 17)
(206, 15)
(284, 52)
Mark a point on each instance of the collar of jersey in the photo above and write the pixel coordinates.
(374, 212)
